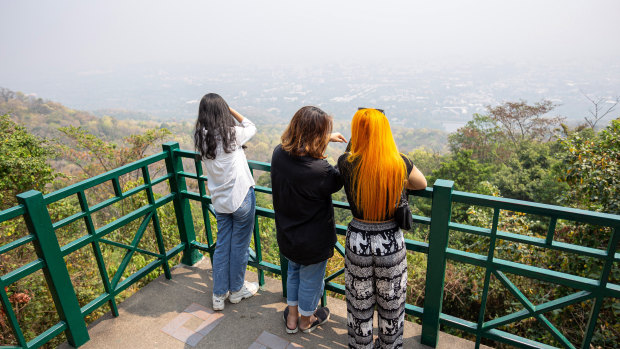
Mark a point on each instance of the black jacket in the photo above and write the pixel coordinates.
(302, 188)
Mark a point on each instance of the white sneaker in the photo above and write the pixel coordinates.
(219, 302)
(248, 290)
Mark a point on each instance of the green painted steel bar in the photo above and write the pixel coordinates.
(189, 175)
(56, 274)
(156, 226)
(132, 250)
(566, 213)
(542, 274)
(116, 184)
(96, 303)
(11, 213)
(497, 335)
(334, 275)
(16, 244)
(203, 247)
(539, 309)
(110, 227)
(104, 177)
(487, 278)
(257, 245)
(47, 335)
(10, 315)
(261, 189)
(416, 246)
(204, 202)
(551, 231)
(411, 309)
(531, 308)
(334, 287)
(516, 341)
(135, 277)
(529, 240)
(68, 220)
(90, 228)
(611, 248)
(436, 263)
(182, 207)
(22, 271)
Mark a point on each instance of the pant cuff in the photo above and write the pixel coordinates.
(292, 303)
(305, 312)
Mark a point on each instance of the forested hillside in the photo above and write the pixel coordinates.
(44, 118)
(513, 150)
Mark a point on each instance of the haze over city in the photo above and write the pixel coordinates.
(427, 64)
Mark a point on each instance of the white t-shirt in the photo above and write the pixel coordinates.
(228, 175)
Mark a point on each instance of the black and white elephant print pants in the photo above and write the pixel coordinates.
(375, 276)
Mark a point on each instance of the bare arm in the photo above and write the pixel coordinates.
(416, 180)
(236, 115)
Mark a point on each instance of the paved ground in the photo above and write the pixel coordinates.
(177, 313)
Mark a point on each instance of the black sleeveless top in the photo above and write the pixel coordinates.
(346, 171)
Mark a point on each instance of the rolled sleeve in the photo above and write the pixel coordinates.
(245, 132)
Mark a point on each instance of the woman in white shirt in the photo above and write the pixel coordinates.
(219, 139)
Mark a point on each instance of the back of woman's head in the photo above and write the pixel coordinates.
(308, 133)
(379, 172)
(214, 125)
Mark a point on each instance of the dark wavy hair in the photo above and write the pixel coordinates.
(308, 133)
(214, 117)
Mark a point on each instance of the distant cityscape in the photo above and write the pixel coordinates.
(436, 97)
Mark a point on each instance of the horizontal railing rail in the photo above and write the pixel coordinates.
(33, 207)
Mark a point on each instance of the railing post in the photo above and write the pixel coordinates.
(182, 208)
(436, 262)
(46, 245)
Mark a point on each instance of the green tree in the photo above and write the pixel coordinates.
(23, 162)
(531, 173)
(426, 161)
(467, 173)
(592, 168)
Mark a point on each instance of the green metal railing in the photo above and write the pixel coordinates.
(33, 207)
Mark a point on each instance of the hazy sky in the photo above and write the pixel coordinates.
(69, 36)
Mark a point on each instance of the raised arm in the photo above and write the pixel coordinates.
(246, 131)
(236, 115)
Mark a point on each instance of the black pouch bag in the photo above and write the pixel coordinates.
(402, 214)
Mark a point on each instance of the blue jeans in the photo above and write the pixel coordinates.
(230, 259)
(304, 286)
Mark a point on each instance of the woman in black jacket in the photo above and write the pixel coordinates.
(302, 182)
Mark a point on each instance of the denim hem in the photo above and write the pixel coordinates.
(292, 303)
(305, 312)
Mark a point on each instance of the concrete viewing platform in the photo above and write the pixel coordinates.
(177, 313)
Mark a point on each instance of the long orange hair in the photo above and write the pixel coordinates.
(379, 173)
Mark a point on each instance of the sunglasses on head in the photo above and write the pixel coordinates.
(380, 110)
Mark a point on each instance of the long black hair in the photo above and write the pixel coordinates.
(214, 117)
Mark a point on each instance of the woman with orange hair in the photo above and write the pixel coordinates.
(375, 175)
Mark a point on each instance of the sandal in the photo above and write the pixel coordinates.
(322, 315)
(288, 330)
